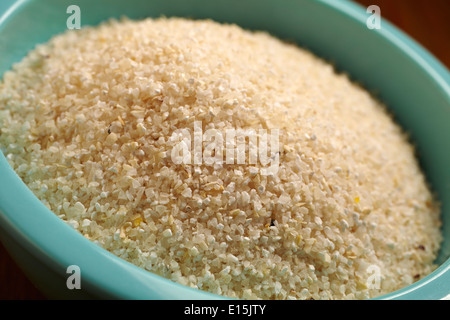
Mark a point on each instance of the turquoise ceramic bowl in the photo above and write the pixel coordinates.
(413, 83)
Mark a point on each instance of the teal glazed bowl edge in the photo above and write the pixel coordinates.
(414, 85)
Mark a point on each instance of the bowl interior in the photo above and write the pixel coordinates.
(413, 84)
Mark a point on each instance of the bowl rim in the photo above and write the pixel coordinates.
(54, 236)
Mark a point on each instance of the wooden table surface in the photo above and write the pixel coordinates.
(427, 21)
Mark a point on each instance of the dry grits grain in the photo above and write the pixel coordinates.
(85, 121)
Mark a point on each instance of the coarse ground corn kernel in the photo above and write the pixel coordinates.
(86, 121)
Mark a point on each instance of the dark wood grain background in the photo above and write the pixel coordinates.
(427, 21)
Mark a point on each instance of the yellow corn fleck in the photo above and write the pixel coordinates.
(357, 199)
(360, 285)
(298, 239)
(137, 222)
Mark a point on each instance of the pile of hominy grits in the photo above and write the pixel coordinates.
(85, 121)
